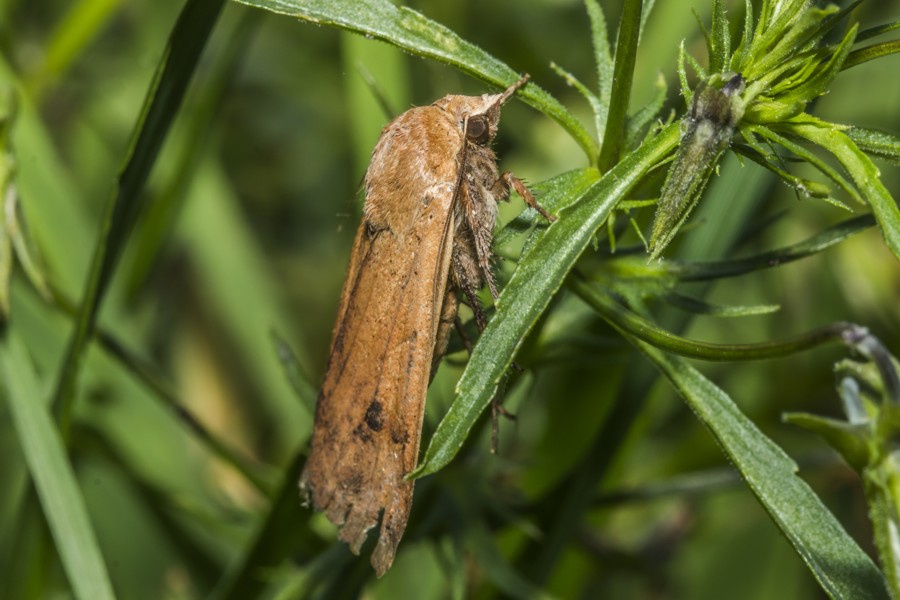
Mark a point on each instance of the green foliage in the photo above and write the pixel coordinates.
(52, 474)
(782, 64)
(835, 560)
(211, 183)
(867, 439)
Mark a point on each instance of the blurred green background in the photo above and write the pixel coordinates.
(255, 205)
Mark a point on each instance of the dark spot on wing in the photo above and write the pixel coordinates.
(400, 437)
(375, 416)
(362, 433)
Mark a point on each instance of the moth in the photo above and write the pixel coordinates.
(431, 193)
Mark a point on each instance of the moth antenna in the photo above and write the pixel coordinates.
(512, 90)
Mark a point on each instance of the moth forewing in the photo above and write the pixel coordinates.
(428, 220)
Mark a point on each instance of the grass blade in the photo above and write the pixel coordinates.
(53, 477)
(75, 31)
(163, 99)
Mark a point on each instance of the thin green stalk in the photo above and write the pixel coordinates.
(623, 75)
(281, 531)
(701, 483)
(646, 331)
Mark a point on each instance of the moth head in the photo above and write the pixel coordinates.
(478, 116)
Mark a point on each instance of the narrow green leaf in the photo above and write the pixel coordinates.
(823, 74)
(849, 439)
(701, 72)
(774, 136)
(697, 271)
(775, 44)
(8, 106)
(597, 107)
(623, 74)
(640, 120)
(831, 20)
(701, 307)
(765, 13)
(539, 275)
(306, 391)
(412, 31)
(719, 39)
(686, 91)
(741, 54)
(648, 332)
(877, 143)
(857, 57)
(842, 569)
(194, 25)
(603, 61)
(56, 485)
(871, 32)
(862, 170)
(804, 187)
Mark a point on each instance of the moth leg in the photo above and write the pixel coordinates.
(468, 287)
(498, 411)
(507, 181)
(447, 319)
(481, 241)
(461, 332)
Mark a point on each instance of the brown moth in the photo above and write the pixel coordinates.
(431, 190)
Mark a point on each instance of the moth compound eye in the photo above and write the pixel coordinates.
(477, 130)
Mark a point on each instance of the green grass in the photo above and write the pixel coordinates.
(187, 181)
